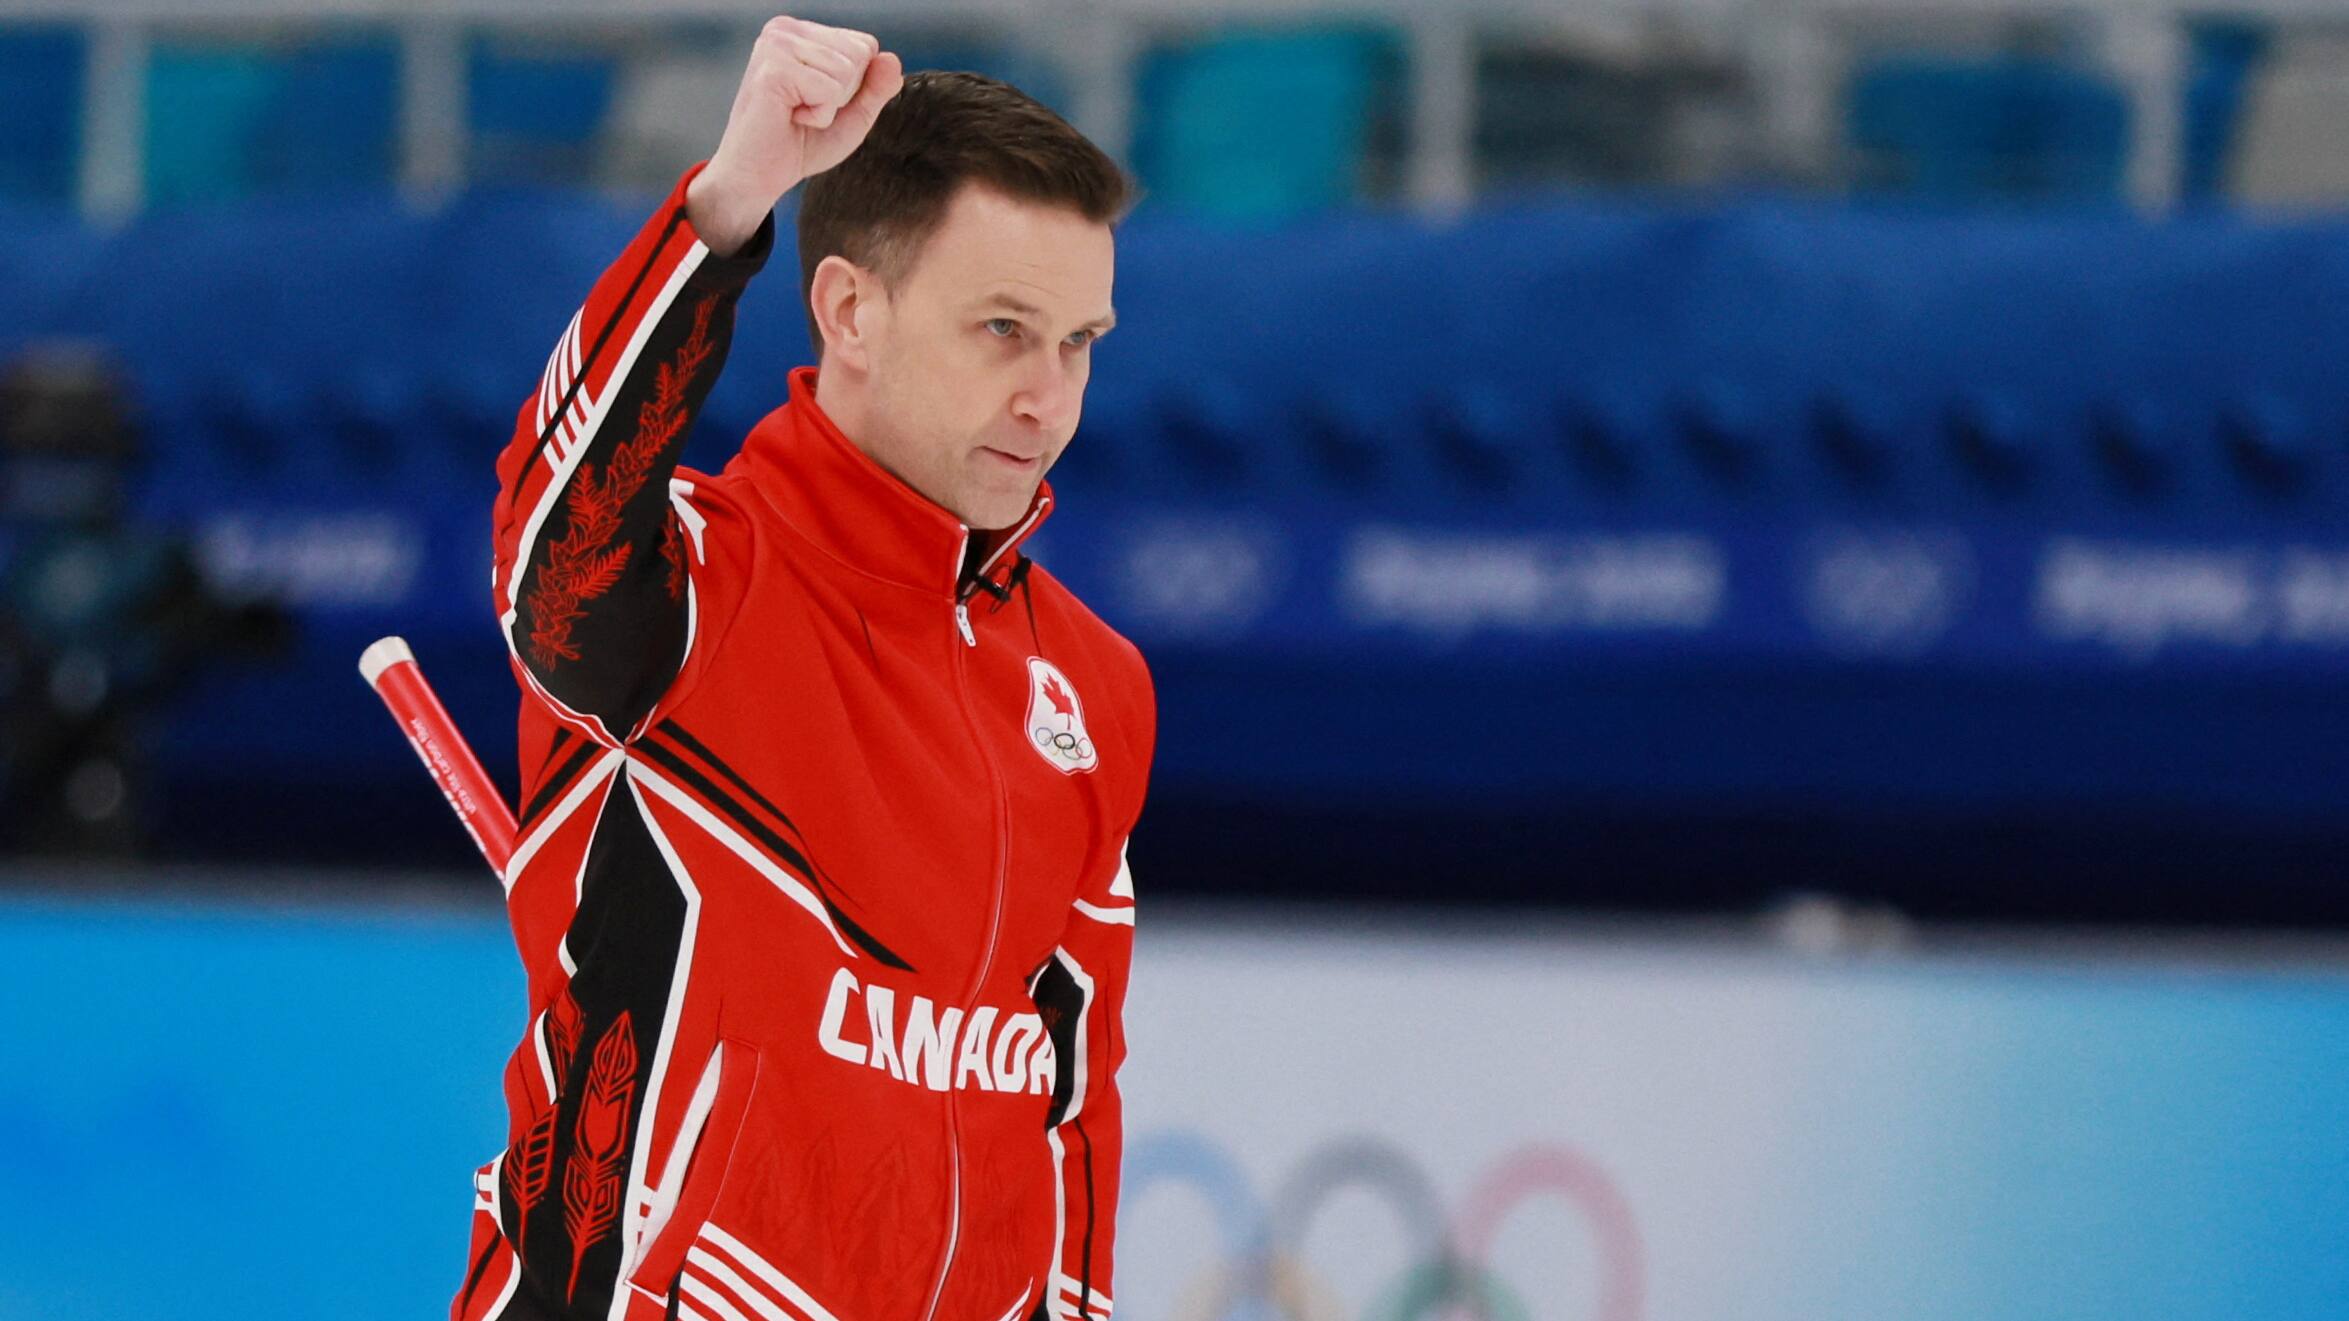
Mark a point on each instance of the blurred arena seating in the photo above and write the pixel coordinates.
(1945, 128)
(40, 138)
(1892, 468)
(1765, 512)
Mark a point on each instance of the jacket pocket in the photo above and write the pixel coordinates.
(694, 1170)
(490, 1263)
(725, 1277)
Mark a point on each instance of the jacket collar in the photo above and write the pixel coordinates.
(861, 513)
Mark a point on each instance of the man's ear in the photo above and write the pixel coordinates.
(842, 296)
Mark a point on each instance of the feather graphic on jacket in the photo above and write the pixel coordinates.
(562, 1037)
(532, 1158)
(599, 1144)
(526, 1170)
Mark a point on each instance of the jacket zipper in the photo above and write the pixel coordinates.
(962, 619)
(962, 607)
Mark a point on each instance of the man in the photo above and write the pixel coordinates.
(821, 888)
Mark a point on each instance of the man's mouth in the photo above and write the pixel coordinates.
(1027, 464)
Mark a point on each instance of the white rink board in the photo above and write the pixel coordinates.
(1746, 1134)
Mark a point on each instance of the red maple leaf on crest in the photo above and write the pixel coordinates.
(1061, 701)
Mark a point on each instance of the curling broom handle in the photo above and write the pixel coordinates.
(391, 670)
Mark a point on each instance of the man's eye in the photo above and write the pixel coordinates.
(1081, 338)
(1003, 327)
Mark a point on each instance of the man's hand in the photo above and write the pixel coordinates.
(810, 95)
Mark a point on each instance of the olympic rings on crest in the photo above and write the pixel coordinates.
(1063, 742)
(1262, 1275)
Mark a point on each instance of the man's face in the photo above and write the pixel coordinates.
(980, 359)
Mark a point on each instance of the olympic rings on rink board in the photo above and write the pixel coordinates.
(1537, 1169)
(1259, 1291)
(1364, 1161)
(1189, 1159)
(1424, 1291)
(1263, 1276)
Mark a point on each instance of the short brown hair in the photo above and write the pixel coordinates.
(943, 130)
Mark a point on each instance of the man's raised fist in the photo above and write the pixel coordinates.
(807, 99)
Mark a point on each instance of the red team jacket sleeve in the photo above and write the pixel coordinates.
(590, 574)
(1085, 981)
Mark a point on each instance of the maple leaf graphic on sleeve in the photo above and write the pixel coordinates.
(1062, 702)
(589, 559)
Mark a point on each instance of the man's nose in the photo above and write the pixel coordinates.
(1047, 394)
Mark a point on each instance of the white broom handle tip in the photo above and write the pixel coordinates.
(381, 655)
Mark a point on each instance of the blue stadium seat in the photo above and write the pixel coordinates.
(1490, 438)
(203, 105)
(1721, 427)
(1354, 442)
(2225, 55)
(227, 120)
(1958, 129)
(334, 122)
(537, 112)
(1855, 436)
(42, 66)
(1693, 359)
(2269, 442)
(1252, 125)
(1606, 448)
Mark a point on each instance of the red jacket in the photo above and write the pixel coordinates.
(821, 887)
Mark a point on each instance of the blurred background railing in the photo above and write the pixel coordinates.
(1437, 104)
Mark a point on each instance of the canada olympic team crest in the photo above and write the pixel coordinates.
(1056, 719)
